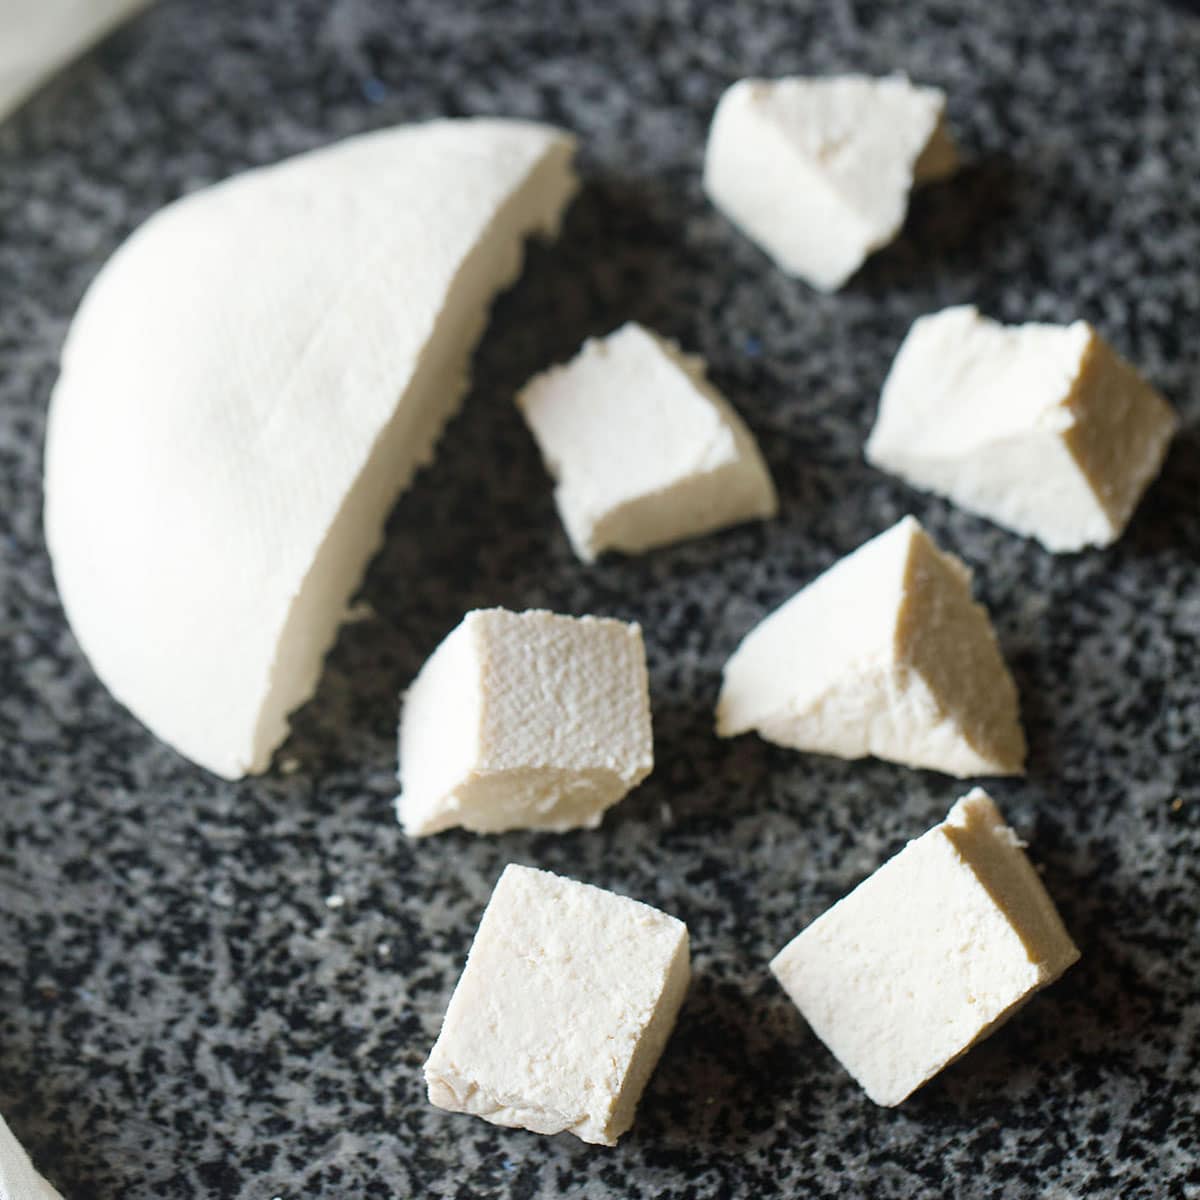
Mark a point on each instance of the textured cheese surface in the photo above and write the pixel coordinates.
(566, 1002)
(644, 449)
(885, 654)
(525, 720)
(248, 384)
(38, 37)
(18, 1178)
(818, 171)
(1041, 428)
(929, 954)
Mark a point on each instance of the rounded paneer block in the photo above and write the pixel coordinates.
(885, 654)
(644, 449)
(818, 171)
(38, 37)
(1043, 429)
(525, 721)
(563, 1009)
(928, 955)
(19, 1179)
(247, 386)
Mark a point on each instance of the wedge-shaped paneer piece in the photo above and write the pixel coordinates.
(248, 385)
(644, 449)
(1044, 429)
(566, 1002)
(818, 171)
(525, 721)
(885, 654)
(928, 955)
(19, 1179)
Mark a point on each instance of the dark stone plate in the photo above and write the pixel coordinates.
(227, 990)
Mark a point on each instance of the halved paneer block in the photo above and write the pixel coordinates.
(1044, 429)
(566, 1002)
(928, 955)
(885, 654)
(818, 171)
(249, 383)
(525, 721)
(643, 447)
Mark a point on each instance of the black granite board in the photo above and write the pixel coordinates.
(214, 989)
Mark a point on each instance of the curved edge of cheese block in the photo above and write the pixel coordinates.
(40, 37)
(249, 384)
(19, 1178)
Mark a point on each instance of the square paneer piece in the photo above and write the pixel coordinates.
(818, 171)
(525, 721)
(1043, 429)
(643, 448)
(566, 1002)
(928, 955)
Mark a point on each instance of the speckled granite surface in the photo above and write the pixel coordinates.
(227, 990)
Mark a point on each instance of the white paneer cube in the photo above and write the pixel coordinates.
(928, 955)
(19, 1179)
(885, 654)
(566, 1002)
(1043, 429)
(525, 721)
(818, 171)
(644, 449)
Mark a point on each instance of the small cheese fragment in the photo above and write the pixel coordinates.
(566, 1002)
(885, 654)
(1044, 429)
(39, 37)
(645, 450)
(249, 383)
(928, 955)
(18, 1178)
(525, 721)
(818, 171)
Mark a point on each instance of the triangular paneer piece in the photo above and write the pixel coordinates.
(19, 1179)
(1043, 429)
(818, 171)
(885, 654)
(39, 37)
(249, 383)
